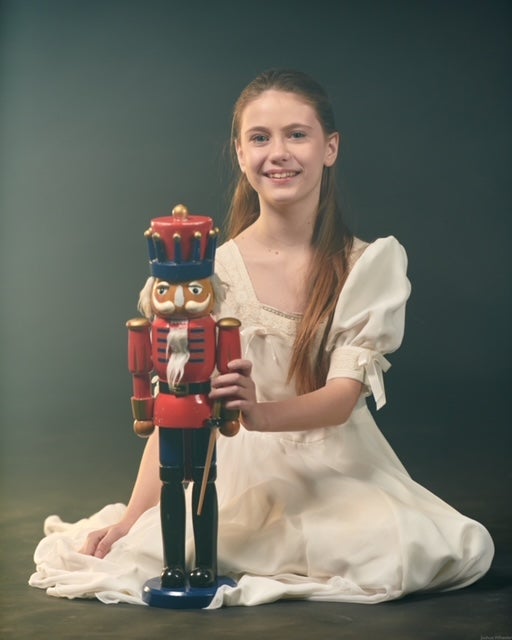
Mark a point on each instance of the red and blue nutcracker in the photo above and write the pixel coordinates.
(179, 345)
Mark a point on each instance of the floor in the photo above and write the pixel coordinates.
(480, 611)
(476, 481)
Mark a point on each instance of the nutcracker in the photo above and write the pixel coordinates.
(172, 353)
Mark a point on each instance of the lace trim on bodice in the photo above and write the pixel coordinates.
(247, 307)
(289, 316)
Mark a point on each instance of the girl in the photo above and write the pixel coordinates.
(313, 502)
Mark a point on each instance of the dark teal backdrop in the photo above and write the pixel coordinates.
(114, 111)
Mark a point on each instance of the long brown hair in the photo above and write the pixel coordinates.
(331, 241)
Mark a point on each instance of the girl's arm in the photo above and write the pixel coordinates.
(330, 405)
(145, 494)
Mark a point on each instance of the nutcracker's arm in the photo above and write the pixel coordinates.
(227, 420)
(140, 366)
(228, 348)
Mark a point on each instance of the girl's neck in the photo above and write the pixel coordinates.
(277, 259)
(283, 230)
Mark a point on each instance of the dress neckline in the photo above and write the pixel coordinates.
(250, 287)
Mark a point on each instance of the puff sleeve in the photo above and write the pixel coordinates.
(369, 317)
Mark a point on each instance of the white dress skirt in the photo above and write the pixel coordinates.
(327, 514)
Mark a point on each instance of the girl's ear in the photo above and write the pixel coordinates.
(239, 155)
(331, 151)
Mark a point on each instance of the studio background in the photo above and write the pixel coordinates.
(112, 112)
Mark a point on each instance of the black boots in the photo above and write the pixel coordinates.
(172, 508)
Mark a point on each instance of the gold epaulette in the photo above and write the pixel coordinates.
(138, 324)
(228, 322)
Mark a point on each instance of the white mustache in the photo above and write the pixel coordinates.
(197, 307)
(164, 307)
(192, 306)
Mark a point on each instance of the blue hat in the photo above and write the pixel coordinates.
(182, 246)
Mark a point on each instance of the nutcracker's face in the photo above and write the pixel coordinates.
(182, 300)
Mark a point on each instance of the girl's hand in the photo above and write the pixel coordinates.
(99, 543)
(237, 391)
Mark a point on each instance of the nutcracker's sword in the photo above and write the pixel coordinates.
(228, 348)
(207, 467)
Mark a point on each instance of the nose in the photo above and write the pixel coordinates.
(279, 151)
(179, 298)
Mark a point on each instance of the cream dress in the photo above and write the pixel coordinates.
(326, 514)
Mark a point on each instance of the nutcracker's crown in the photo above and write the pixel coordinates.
(182, 246)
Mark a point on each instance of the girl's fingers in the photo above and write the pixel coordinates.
(229, 380)
(236, 387)
(91, 543)
(244, 367)
(240, 375)
(99, 542)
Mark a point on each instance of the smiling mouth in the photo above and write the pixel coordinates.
(281, 175)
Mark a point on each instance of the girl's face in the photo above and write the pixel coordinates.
(282, 149)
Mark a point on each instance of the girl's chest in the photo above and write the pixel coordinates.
(279, 283)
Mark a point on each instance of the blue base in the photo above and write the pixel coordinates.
(188, 597)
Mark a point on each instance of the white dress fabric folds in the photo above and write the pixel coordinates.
(327, 514)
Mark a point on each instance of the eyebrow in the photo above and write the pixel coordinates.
(293, 125)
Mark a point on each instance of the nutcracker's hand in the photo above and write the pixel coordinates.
(143, 428)
(229, 428)
(142, 409)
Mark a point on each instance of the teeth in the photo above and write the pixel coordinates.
(284, 174)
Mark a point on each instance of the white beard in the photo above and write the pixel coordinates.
(177, 352)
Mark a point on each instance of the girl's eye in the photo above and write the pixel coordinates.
(298, 134)
(259, 138)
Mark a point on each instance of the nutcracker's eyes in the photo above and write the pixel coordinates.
(195, 288)
(162, 288)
